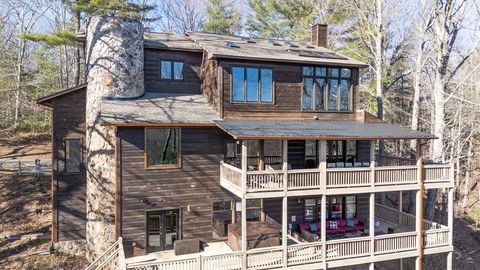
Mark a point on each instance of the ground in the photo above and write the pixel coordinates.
(26, 146)
(25, 216)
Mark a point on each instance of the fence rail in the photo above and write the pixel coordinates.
(25, 167)
(112, 259)
(274, 180)
(395, 242)
(435, 238)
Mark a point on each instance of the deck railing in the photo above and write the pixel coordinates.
(436, 238)
(403, 219)
(348, 248)
(397, 242)
(112, 259)
(304, 253)
(310, 179)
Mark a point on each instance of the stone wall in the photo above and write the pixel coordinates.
(114, 58)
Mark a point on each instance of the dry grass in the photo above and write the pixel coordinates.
(28, 213)
(26, 146)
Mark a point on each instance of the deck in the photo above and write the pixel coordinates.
(350, 250)
(331, 181)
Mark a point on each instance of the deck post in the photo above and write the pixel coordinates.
(285, 202)
(322, 163)
(244, 204)
(323, 229)
(400, 207)
(371, 228)
(419, 207)
(450, 228)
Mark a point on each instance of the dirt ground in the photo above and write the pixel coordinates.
(25, 218)
(26, 146)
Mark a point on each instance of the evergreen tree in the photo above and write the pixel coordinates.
(223, 17)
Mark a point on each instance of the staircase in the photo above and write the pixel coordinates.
(112, 259)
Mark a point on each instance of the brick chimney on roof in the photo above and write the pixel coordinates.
(320, 35)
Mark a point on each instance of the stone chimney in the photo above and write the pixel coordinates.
(114, 59)
(320, 35)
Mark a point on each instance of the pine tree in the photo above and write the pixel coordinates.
(223, 17)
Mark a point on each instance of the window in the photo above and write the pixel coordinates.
(326, 89)
(73, 155)
(338, 207)
(342, 151)
(351, 206)
(252, 84)
(311, 154)
(254, 209)
(162, 147)
(171, 70)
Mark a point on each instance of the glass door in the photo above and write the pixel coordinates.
(162, 230)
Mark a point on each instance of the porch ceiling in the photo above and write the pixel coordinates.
(317, 130)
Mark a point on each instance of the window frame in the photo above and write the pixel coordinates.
(259, 84)
(317, 214)
(327, 79)
(65, 156)
(172, 72)
(166, 166)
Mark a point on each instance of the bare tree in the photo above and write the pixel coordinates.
(181, 16)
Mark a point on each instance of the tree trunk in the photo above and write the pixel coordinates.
(466, 183)
(18, 81)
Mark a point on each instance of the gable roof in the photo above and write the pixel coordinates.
(47, 100)
(236, 47)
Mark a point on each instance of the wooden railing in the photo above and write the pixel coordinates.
(397, 242)
(435, 238)
(396, 175)
(304, 253)
(348, 177)
(437, 173)
(403, 219)
(265, 258)
(113, 258)
(302, 179)
(229, 261)
(231, 174)
(348, 248)
(273, 180)
(264, 181)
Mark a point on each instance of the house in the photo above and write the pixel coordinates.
(177, 139)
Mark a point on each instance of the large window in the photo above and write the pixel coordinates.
(73, 155)
(338, 207)
(252, 84)
(342, 151)
(326, 89)
(162, 147)
(171, 70)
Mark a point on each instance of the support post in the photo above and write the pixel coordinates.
(400, 207)
(261, 155)
(285, 202)
(322, 163)
(419, 206)
(371, 228)
(244, 204)
(450, 260)
(450, 217)
(323, 229)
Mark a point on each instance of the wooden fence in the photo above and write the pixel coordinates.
(25, 167)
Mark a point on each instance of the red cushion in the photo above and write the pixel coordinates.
(341, 222)
(304, 226)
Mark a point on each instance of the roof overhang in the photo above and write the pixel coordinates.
(47, 100)
(316, 130)
(158, 109)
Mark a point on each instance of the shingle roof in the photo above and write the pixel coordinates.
(264, 49)
(170, 41)
(317, 129)
(157, 108)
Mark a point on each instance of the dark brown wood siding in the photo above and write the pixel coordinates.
(210, 88)
(191, 81)
(68, 122)
(196, 184)
(287, 94)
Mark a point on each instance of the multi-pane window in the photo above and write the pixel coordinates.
(162, 147)
(252, 84)
(342, 151)
(73, 155)
(171, 70)
(326, 89)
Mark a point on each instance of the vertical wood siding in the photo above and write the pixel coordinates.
(191, 82)
(68, 112)
(195, 184)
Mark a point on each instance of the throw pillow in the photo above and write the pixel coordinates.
(333, 225)
(350, 223)
(313, 227)
(316, 237)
